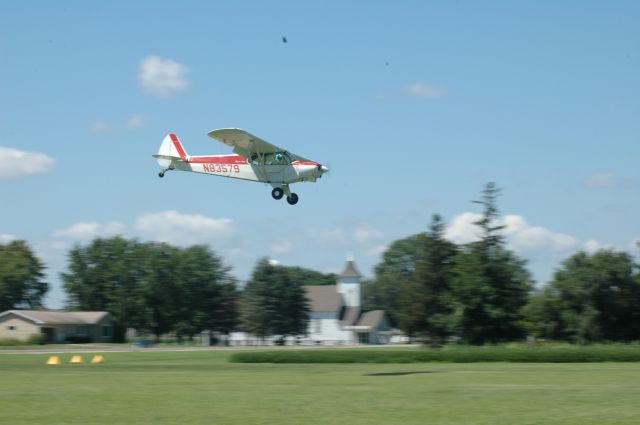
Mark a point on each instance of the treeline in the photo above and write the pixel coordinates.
(481, 292)
(157, 289)
(431, 289)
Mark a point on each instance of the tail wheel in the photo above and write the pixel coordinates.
(292, 199)
(277, 193)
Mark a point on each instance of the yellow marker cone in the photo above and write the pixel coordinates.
(54, 360)
(76, 359)
(97, 359)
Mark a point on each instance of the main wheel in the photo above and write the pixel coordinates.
(161, 174)
(277, 193)
(292, 199)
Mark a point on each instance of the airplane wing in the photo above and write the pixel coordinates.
(246, 144)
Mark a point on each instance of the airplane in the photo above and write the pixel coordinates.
(255, 160)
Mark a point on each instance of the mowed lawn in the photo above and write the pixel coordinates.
(203, 388)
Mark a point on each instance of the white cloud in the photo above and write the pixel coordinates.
(89, 230)
(136, 121)
(524, 237)
(462, 229)
(162, 77)
(184, 229)
(520, 235)
(98, 127)
(601, 180)
(17, 163)
(4, 239)
(424, 90)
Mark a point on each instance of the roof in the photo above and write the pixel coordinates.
(41, 317)
(350, 316)
(323, 297)
(350, 270)
(371, 318)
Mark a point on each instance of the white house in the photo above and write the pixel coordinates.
(337, 317)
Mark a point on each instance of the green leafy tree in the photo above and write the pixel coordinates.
(305, 276)
(21, 274)
(596, 297)
(152, 287)
(427, 303)
(393, 276)
(106, 275)
(491, 284)
(272, 304)
(206, 295)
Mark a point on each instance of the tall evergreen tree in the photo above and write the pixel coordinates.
(427, 300)
(491, 284)
(21, 274)
(272, 304)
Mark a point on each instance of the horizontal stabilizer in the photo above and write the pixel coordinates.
(169, 158)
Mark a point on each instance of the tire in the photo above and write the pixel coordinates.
(293, 199)
(277, 193)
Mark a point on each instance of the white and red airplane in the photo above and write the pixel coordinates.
(256, 160)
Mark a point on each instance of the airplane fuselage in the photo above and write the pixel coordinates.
(239, 167)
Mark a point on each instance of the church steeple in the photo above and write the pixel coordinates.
(349, 283)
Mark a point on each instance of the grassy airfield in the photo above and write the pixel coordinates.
(202, 387)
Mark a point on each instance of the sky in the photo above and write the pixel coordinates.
(413, 105)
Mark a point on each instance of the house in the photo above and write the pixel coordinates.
(336, 315)
(57, 326)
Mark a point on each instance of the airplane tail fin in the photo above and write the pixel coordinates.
(170, 150)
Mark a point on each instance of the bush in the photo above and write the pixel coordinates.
(10, 342)
(37, 339)
(457, 354)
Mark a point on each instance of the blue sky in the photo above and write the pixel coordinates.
(414, 105)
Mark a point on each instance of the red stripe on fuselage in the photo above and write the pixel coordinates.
(178, 145)
(222, 159)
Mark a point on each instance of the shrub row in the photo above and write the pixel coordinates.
(524, 354)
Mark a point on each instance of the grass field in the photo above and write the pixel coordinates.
(204, 388)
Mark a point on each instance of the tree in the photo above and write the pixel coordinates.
(393, 276)
(152, 287)
(272, 304)
(596, 297)
(206, 293)
(427, 304)
(21, 274)
(106, 275)
(490, 284)
(305, 276)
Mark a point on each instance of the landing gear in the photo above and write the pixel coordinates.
(161, 174)
(277, 193)
(292, 199)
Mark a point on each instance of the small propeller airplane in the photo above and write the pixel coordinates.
(256, 160)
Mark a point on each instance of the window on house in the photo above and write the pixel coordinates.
(363, 338)
(106, 331)
(12, 328)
